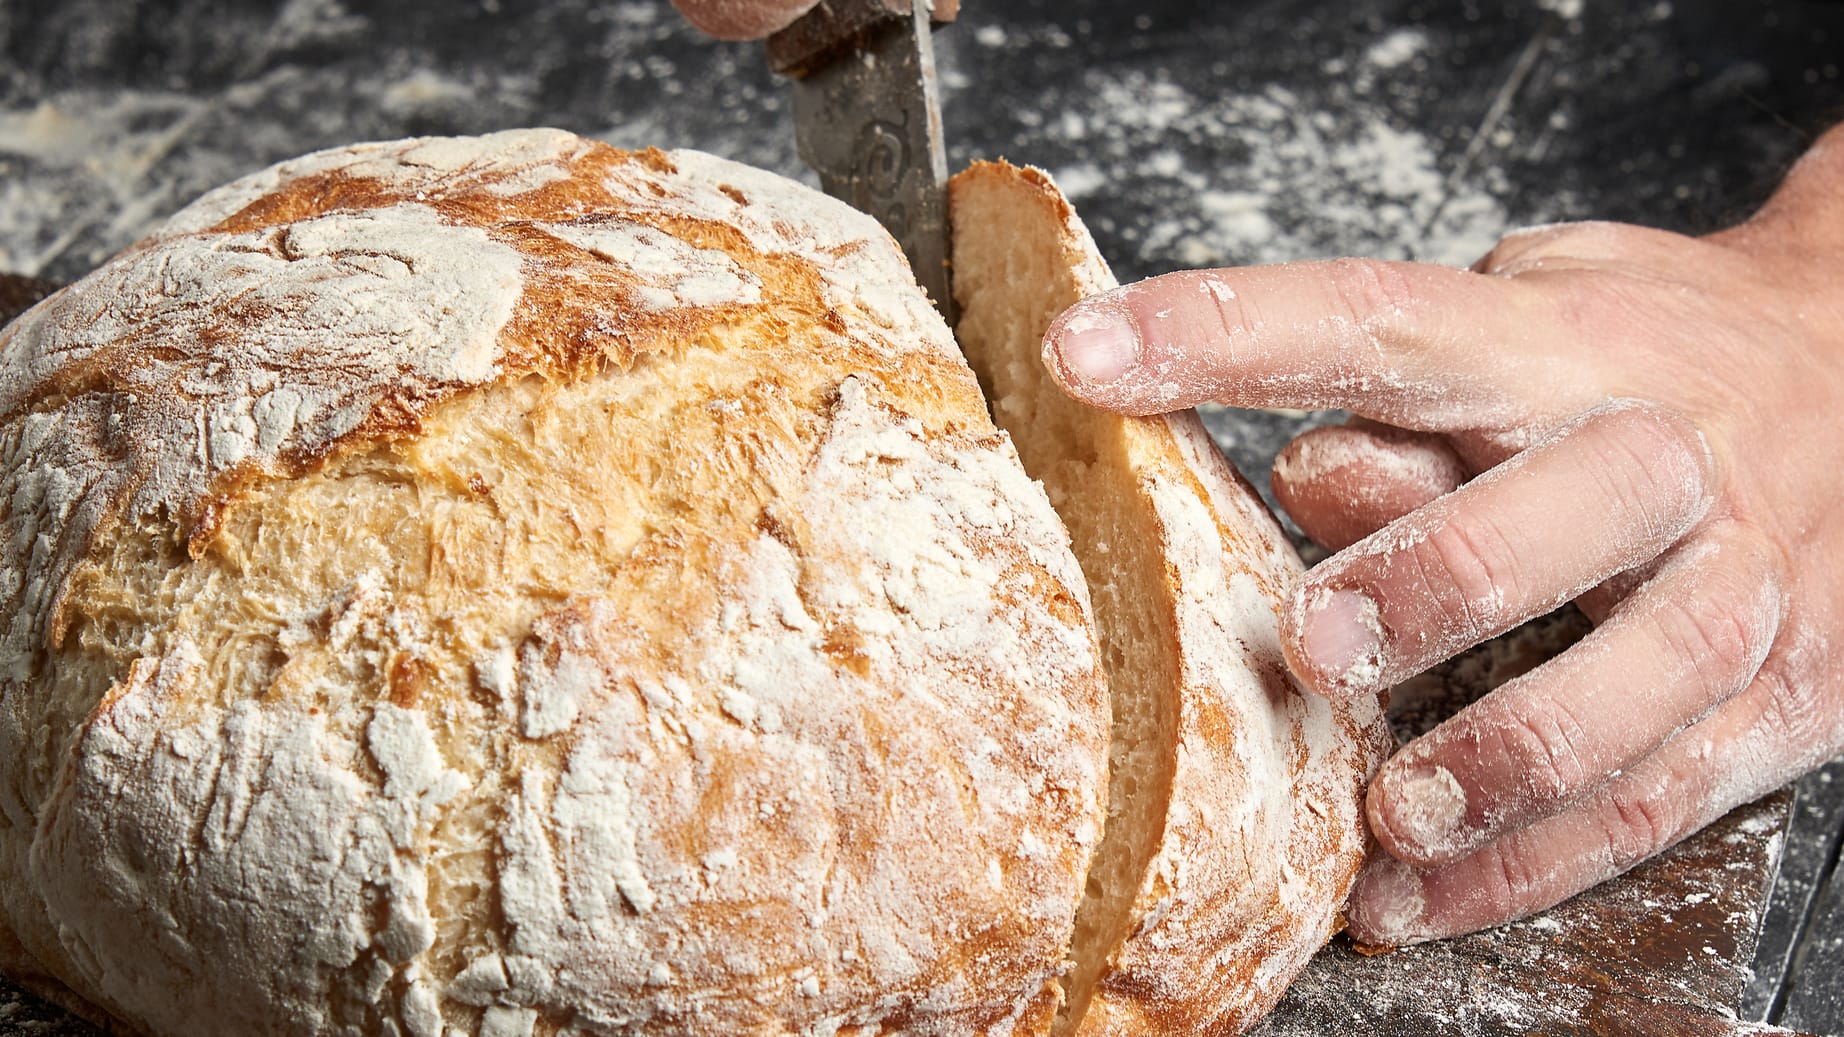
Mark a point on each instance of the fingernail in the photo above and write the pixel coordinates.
(1427, 810)
(1098, 349)
(1387, 904)
(1343, 639)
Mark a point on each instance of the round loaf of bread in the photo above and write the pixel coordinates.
(513, 586)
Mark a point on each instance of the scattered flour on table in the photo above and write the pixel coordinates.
(87, 166)
(1397, 48)
(1175, 166)
(81, 164)
(1290, 177)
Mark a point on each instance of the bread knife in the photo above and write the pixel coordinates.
(867, 118)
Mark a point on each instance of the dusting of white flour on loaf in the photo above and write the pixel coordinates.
(636, 824)
(925, 542)
(261, 795)
(276, 343)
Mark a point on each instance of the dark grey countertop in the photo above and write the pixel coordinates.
(1189, 134)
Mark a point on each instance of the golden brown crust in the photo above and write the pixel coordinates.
(545, 589)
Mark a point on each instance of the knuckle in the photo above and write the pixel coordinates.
(1511, 882)
(1372, 291)
(1471, 566)
(1201, 294)
(1649, 462)
(1793, 711)
(1544, 744)
(1637, 826)
(1722, 634)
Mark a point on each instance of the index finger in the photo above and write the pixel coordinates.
(1418, 346)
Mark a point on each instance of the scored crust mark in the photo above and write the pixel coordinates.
(1235, 823)
(431, 276)
(331, 301)
(563, 684)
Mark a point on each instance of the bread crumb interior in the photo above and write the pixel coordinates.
(1012, 276)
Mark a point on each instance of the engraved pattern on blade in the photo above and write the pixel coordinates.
(869, 122)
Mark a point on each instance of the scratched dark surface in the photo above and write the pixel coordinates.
(1662, 952)
(1188, 134)
(1665, 951)
(1799, 969)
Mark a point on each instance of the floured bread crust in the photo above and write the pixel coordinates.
(1240, 878)
(513, 586)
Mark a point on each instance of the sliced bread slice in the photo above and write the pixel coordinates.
(1235, 817)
